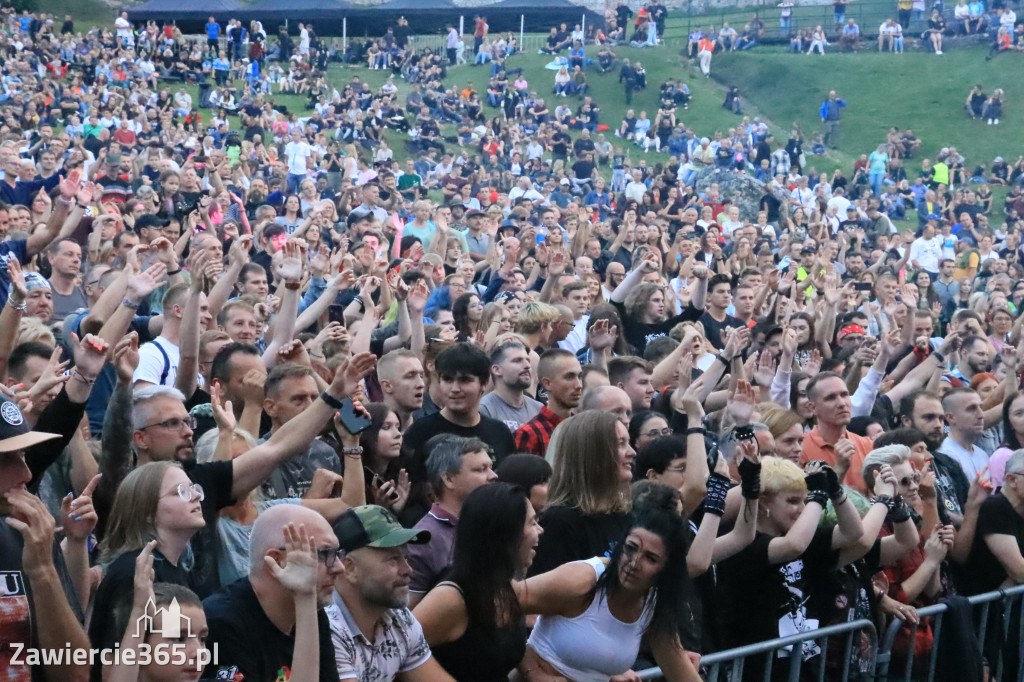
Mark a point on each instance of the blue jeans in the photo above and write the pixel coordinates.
(292, 183)
(875, 180)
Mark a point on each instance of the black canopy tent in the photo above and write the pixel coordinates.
(192, 13)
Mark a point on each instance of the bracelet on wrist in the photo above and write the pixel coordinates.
(17, 305)
(725, 361)
(331, 401)
(170, 273)
(352, 451)
(696, 431)
(129, 303)
(939, 356)
(75, 374)
(292, 286)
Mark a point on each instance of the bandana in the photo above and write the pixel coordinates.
(849, 329)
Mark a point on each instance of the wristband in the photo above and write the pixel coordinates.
(129, 303)
(819, 496)
(939, 356)
(169, 273)
(81, 377)
(22, 306)
(750, 478)
(718, 488)
(331, 401)
(292, 286)
(696, 431)
(723, 360)
(352, 451)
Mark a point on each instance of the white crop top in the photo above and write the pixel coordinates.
(594, 645)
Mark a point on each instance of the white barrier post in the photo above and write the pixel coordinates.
(462, 25)
(344, 35)
(522, 25)
(583, 28)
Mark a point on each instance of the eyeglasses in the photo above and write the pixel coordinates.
(174, 424)
(907, 480)
(188, 492)
(681, 469)
(329, 555)
(655, 433)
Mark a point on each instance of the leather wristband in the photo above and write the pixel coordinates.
(292, 286)
(331, 401)
(819, 496)
(718, 488)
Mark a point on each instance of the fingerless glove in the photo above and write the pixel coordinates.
(750, 478)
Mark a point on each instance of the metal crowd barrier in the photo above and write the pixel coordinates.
(727, 666)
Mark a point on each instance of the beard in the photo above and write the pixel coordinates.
(519, 384)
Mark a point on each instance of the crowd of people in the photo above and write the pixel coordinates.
(284, 408)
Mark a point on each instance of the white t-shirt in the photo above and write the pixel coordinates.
(124, 27)
(297, 153)
(153, 363)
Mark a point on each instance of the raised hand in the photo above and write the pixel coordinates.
(289, 267)
(90, 355)
(142, 586)
(144, 283)
(297, 573)
(126, 357)
(252, 386)
(738, 339)
(764, 372)
(223, 413)
(16, 275)
(70, 185)
(417, 297)
(812, 365)
(886, 482)
(78, 515)
(349, 375)
(602, 335)
(238, 254)
(320, 262)
(293, 351)
(742, 402)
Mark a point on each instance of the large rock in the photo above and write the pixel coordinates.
(740, 188)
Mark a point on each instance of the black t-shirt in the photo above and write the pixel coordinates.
(713, 328)
(639, 334)
(583, 169)
(114, 596)
(414, 449)
(770, 205)
(18, 619)
(571, 535)
(249, 644)
(983, 572)
(762, 593)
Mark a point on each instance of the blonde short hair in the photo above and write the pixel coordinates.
(780, 475)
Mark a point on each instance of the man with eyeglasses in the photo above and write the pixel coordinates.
(161, 429)
(253, 621)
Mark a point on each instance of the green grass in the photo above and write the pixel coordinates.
(915, 90)
(86, 13)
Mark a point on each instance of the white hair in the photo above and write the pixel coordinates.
(143, 397)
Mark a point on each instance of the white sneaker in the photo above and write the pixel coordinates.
(938, 52)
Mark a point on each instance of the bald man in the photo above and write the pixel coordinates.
(609, 399)
(253, 621)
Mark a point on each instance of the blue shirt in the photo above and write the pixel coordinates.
(212, 30)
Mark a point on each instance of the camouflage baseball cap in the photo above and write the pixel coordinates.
(372, 526)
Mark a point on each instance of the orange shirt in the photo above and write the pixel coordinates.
(815, 448)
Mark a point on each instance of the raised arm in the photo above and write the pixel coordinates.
(289, 270)
(39, 240)
(187, 379)
(252, 468)
(12, 313)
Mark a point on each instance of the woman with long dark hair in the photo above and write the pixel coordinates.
(593, 615)
(468, 313)
(387, 483)
(1013, 436)
(473, 622)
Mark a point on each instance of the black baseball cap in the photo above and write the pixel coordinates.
(15, 433)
